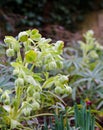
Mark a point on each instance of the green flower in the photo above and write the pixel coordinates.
(10, 52)
(36, 105)
(58, 90)
(23, 36)
(19, 82)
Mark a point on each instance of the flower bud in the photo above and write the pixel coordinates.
(63, 79)
(27, 111)
(58, 90)
(90, 33)
(16, 71)
(68, 89)
(52, 65)
(10, 52)
(36, 95)
(19, 82)
(35, 105)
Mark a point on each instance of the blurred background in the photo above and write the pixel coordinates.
(57, 19)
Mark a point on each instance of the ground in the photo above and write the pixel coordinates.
(93, 21)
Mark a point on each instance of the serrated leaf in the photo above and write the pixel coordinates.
(35, 37)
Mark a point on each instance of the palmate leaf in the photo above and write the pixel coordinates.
(91, 79)
(74, 61)
(2, 51)
(5, 70)
(95, 75)
(8, 85)
(6, 78)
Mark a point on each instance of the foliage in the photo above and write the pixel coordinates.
(2, 49)
(84, 64)
(33, 91)
(83, 119)
(42, 78)
(6, 77)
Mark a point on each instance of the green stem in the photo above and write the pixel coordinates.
(38, 115)
(18, 101)
(56, 110)
(54, 95)
(31, 69)
(19, 56)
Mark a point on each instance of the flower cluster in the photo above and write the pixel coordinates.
(31, 51)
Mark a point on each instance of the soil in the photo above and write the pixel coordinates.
(93, 21)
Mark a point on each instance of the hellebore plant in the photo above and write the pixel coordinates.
(32, 88)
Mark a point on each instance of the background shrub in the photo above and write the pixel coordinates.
(38, 13)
